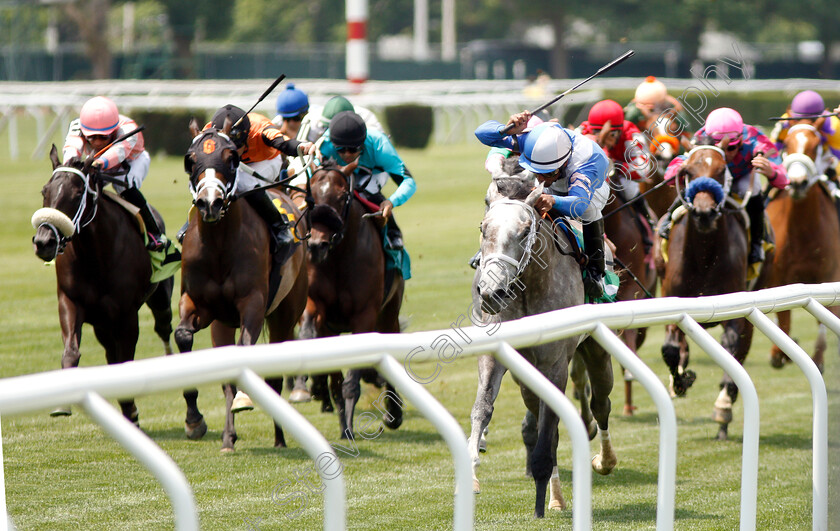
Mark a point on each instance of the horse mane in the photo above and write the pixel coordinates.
(705, 140)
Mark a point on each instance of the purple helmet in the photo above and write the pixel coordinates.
(807, 103)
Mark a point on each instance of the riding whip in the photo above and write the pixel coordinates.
(634, 277)
(118, 140)
(640, 196)
(264, 94)
(804, 117)
(600, 71)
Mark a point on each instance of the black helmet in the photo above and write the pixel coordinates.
(239, 133)
(347, 129)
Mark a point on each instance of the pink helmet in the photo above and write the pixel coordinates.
(724, 121)
(99, 116)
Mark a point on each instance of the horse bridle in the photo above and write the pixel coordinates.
(727, 179)
(521, 264)
(789, 159)
(226, 188)
(78, 218)
(338, 235)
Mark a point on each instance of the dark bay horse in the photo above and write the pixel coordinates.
(624, 227)
(225, 270)
(348, 291)
(707, 255)
(522, 272)
(102, 268)
(806, 226)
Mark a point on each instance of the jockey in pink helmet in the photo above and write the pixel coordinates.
(98, 125)
(573, 169)
(747, 150)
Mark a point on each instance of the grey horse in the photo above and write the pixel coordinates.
(523, 272)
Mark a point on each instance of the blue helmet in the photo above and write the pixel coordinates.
(546, 148)
(292, 102)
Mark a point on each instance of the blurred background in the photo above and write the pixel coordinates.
(461, 61)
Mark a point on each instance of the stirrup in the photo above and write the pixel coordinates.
(756, 253)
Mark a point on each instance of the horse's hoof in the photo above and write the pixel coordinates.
(195, 430)
(601, 466)
(682, 382)
(557, 505)
(299, 396)
(723, 433)
(722, 415)
(394, 422)
(241, 402)
(628, 410)
(628, 376)
(227, 450)
(482, 445)
(280, 444)
(327, 407)
(777, 360)
(62, 411)
(476, 487)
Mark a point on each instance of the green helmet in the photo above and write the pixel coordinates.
(335, 105)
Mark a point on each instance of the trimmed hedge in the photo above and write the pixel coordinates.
(410, 125)
(167, 132)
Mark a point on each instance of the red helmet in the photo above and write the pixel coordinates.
(606, 110)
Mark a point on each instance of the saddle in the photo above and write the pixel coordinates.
(165, 263)
(564, 233)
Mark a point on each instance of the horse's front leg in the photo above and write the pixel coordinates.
(736, 339)
(193, 319)
(599, 368)
(582, 391)
(490, 373)
(676, 357)
(160, 303)
(544, 461)
(363, 321)
(224, 335)
(71, 318)
(632, 338)
(777, 357)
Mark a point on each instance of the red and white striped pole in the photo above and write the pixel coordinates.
(357, 47)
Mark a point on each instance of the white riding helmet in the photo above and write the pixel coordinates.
(547, 147)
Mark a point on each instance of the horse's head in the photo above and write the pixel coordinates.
(508, 232)
(707, 181)
(69, 203)
(332, 192)
(802, 144)
(211, 162)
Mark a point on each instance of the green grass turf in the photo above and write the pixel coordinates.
(66, 474)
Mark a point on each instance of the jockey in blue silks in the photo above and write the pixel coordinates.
(573, 168)
(348, 139)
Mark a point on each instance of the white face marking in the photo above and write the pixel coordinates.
(802, 141)
(324, 188)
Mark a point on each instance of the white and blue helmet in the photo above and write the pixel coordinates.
(547, 147)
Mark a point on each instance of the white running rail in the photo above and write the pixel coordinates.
(88, 387)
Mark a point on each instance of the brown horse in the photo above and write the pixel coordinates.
(225, 271)
(348, 286)
(624, 226)
(707, 255)
(102, 268)
(807, 228)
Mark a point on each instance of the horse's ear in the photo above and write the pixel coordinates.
(350, 168)
(194, 128)
(818, 124)
(534, 195)
(227, 126)
(686, 143)
(54, 157)
(724, 142)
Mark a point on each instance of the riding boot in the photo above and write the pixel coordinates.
(135, 197)
(282, 241)
(395, 239)
(593, 244)
(665, 223)
(755, 210)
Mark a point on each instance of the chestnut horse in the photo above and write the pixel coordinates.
(804, 218)
(225, 271)
(102, 268)
(624, 227)
(522, 272)
(347, 286)
(707, 255)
